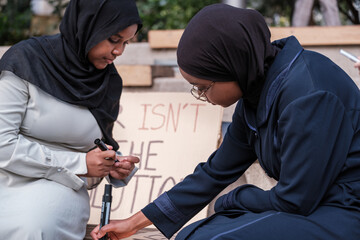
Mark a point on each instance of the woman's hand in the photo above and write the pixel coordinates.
(124, 167)
(118, 229)
(99, 163)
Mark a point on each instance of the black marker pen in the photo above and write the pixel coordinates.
(102, 146)
(105, 208)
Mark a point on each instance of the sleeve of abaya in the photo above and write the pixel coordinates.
(315, 133)
(26, 158)
(174, 208)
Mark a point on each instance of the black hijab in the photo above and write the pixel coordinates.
(58, 64)
(225, 43)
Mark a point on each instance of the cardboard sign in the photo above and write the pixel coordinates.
(171, 133)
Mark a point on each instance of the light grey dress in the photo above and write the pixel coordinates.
(43, 144)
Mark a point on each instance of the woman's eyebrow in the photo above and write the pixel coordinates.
(193, 83)
(118, 35)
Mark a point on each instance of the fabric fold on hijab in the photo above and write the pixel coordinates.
(58, 64)
(224, 43)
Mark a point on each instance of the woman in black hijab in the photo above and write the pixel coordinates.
(57, 95)
(297, 113)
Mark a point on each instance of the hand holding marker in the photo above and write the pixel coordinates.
(105, 208)
(107, 198)
(100, 144)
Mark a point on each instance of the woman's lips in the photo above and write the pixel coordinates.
(109, 61)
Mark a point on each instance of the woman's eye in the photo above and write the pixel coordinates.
(113, 40)
(200, 88)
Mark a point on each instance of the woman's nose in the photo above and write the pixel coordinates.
(117, 51)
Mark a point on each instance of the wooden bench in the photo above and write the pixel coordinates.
(142, 75)
(135, 75)
(308, 36)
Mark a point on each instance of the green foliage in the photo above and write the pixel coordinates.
(59, 7)
(15, 18)
(349, 10)
(279, 12)
(276, 12)
(15, 15)
(168, 14)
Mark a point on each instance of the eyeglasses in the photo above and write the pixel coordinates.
(199, 93)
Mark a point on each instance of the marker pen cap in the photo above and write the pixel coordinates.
(107, 194)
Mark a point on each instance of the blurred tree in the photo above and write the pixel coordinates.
(276, 12)
(59, 7)
(15, 17)
(236, 3)
(168, 14)
(303, 14)
(279, 12)
(350, 9)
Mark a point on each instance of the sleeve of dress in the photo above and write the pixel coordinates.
(27, 158)
(315, 134)
(117, 183)
(171, 210)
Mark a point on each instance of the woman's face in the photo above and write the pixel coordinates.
(217, 93)
(106, 51)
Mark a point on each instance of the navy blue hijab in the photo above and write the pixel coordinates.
(225, 43)
(58, 64)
